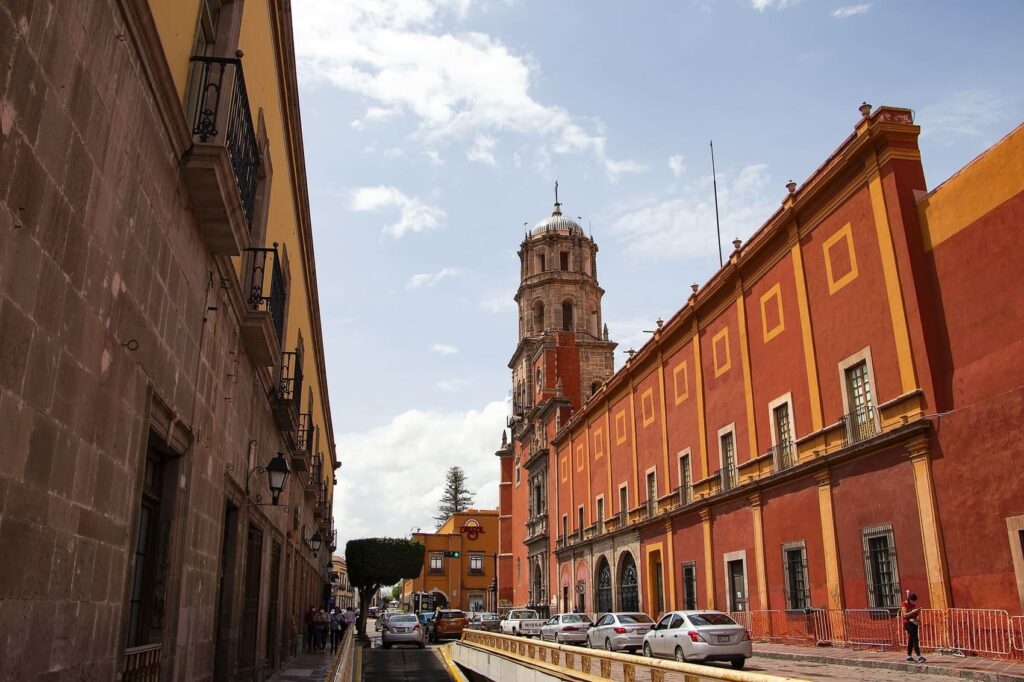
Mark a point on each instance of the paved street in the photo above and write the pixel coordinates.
(822, 671)
(402, 663)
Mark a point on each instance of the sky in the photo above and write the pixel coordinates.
(434, 132)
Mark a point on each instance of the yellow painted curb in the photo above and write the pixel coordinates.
(453, 670)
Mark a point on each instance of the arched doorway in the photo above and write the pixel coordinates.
(629, 596)
(604, 586)
(538, 587)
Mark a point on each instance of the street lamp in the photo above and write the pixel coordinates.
(277, 475)
(315, 541)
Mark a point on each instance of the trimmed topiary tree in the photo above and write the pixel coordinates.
(373, 562)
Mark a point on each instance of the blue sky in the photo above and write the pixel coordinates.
(435, 130)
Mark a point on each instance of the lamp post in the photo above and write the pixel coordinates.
(277, 475)
(315, 540)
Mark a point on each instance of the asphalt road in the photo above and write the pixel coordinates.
(401, 663)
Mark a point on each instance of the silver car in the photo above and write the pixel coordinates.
(567, 628)
(699, 636)
(403, 628)
(618, 631)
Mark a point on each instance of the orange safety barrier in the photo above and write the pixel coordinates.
(760, 624)
(871, 627)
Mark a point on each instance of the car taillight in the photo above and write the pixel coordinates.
(694, 635)
(416, 627)
(569, 628)
(746, 635)
(620, 631)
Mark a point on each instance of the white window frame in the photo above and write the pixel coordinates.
(729, 430)
(679, 468)
(652, 505)
(787, 400)
(600, 518)
(738, 555)
(790, 547)
(863, 355)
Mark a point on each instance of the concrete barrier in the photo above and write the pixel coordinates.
(505, 658)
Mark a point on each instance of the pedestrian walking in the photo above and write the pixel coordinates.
(310, 616)
(911, 615)
(337, 628)
(348, 619)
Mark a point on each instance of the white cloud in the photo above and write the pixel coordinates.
(850, 10)
(414, 216)
(482, 149)
(452, 385)
(968, 113)
(434, 157)
(429, 279)
(408, 456)
(682, 224)
(458, 86)
(444, 349)
(498, 302)
(676, 165)
(762, 5)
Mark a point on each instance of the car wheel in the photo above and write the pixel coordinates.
(680, 656)
(515, 632)
(738, 663)
(647, 650)
(608, 644)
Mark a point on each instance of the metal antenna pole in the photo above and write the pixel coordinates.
(714, 182)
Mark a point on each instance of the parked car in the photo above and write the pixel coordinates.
(567, 628)
(699, 636)
(521, 622)
(489, 622)
(619, 631)
(425, 618)
(447, 624)
(383, 618)
(402, 628)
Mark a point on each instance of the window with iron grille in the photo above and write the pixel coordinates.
(861, 420)
(579, 519)
(783, 435)
(600, 515)
(729, 458)
(794, 566)
(685, 480)
(652, 493)
(881, 571)
(436, 562)
(623, 502)
(565, 526)
(689, 585)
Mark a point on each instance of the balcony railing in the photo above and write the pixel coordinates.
(316, 471)
(685, 495)
(536, 526)
(222, 105)
(783, 455)
(861, 424)
(727, 478)
(263, 285)
(304, 434)
(142, 663)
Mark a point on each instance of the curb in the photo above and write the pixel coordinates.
(916, 669)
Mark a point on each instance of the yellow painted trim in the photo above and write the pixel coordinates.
(844, 234)
(990, 180)
(759, 558)
(748, 390)
(632, 440)
(587, 476)
(698, 373)
(608, 466)
(829, 543)
(681, 368)
(893, 289)
(620, 427)
(647, 406)
(721, 368)
(598, 443)
(773, 294)
(931, 537)
(670, 561)
(709, 568)
(807, 338)
(664, 424)
(453, 670)
(652, 594)
(564, 466)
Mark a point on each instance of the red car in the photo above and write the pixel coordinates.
(447, 624)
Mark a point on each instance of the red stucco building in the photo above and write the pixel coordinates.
(831, 420)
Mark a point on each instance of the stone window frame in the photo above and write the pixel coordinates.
(864, 354)
(727, 557)
(805, 598)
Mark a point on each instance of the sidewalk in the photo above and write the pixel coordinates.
(305, 667)
(969, 668)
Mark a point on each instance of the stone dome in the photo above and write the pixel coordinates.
(557, 222)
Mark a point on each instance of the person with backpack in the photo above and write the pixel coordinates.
(337, 628)
(321, 624)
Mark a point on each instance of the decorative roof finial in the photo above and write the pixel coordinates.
(558, 206)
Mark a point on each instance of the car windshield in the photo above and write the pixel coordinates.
(452, 614)
(490, 616)
(711, 619)
(520, 615)
(403, 619)
(576, 618)
(635, 618)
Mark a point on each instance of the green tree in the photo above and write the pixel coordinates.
(456, 497)
(396, 593)
(373, 562)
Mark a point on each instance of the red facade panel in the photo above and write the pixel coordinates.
(681, 412)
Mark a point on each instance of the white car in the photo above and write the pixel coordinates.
(699, 636)
(567, 628)
(521, 622)
(619, 631)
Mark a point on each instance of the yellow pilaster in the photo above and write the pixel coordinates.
(748, 391)
(698, 374)
(833, 579)
(669, 567)
(811, 366)
(928, 517)
(709, 567)
(607, 449)
(632, 443)
(759, 560)
(664, 423)
(893, 290)
(587, 464)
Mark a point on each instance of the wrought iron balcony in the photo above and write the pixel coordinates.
(861, 424)
(783, 455)
(536, 527)
(264, 292)
(727, 478)
(685, 495)
(315, 477)
(288, 391)
(222, 166)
